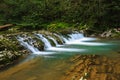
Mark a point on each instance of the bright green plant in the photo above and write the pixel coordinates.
(57, 26)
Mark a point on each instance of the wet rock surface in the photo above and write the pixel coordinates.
(94, 67)
(10, 50)
(113, 33)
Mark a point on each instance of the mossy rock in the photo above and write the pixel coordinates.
(51, 41)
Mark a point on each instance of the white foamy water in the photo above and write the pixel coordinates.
(28, 44)
(43, 53)
(65, 49)
(72, 37)
(87, 39)
(81, 42)
(46, 42)
(56, 43)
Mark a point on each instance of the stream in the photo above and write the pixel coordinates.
(52, 63)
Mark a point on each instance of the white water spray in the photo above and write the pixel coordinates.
(56, 43)
(29, 45)
(46, 42)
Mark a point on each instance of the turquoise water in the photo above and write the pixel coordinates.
(55, 62)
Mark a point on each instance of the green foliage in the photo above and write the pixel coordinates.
(36, 14)
(57, 26)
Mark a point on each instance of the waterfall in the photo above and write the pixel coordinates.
(28, 44)
(72, 37)
(56, 43)
(64, 39)
(46, 42)
(75, 36)
(59, 37)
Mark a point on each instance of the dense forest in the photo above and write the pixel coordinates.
(98, 15)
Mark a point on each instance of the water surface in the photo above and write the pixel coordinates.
(53, 63)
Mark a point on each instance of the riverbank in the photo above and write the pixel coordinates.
(10, 50)
(94, 67)
(108, 34)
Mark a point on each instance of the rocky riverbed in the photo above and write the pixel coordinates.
(94, 67)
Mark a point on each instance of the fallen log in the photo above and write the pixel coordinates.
(7, 26)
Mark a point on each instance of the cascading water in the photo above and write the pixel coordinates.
(50, 48)
(46, 42)
(78, 38)
(61, 39)
(75, 36)
(64, 39)
(28, 44)
(56, 43)
(71, 39)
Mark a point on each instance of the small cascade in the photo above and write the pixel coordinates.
(65, 39)
(27, 42)
(46, 42)
(75, 36)
(68, 42)
(59, 37)
(72, 37)
(56, 43)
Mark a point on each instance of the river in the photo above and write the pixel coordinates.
(52, 63)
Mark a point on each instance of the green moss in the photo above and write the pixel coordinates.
(57, 26)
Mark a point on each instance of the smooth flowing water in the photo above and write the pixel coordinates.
(52, 63)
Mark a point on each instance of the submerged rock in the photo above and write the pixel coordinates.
(94, 67)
